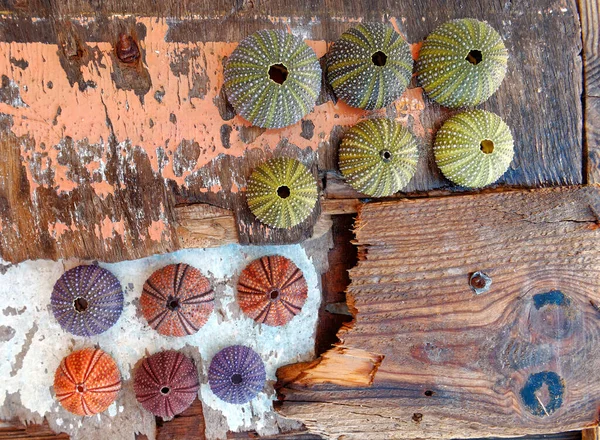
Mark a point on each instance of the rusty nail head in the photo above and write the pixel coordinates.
(127, 49)
(480, 282)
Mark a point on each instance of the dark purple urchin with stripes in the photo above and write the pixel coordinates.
(87, 300)
(177, 300)
(236, 374)
(166, 383)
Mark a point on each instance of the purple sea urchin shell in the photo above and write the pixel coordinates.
(87, 300)
(166, 383)
(236, 374)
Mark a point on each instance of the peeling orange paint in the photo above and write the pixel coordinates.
(156, 230)
(57, 229)
(173, 110)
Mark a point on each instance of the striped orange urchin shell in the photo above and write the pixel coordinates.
(272, 290)
(177, 300)
(87, 382)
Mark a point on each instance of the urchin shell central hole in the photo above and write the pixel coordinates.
(80, 389)
(486, 146)
(236, 379)
(80, 304)
(379, 58)
(283, 192)
(386, 155)
(173, 304)
(274, 294)
(474, 57)
(165, 390)
(278, 73)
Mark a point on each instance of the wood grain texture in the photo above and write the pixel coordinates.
(590, 434)
(163, 124)
(589, 11)
(458, 364)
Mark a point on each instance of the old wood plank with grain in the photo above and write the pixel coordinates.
(438, 360)
(82, 132)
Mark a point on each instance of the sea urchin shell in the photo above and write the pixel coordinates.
(473, 148)
(462, 63)
(272, 290)
(273, 79)
(177, 300)
(282, 192)
(369, 66)
(236, 374)
(166, 383)
(87, 300)
(378, 157)
(87, 382)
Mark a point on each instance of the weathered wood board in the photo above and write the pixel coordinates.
(426, 357)
(97, 152)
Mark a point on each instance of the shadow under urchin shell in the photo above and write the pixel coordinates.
(272, 290)
(282, 192)
(462, 63)
(369, 66)
(87, 300)
(177, 300)
(166, 383)
(273, 79)
(378, 157)
(473, 148)
(236, 374)
(87, 382)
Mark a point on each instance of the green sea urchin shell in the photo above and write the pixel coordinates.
(272, 79)
(462, 63)
(378, 157)
(282, 192)
(369, 66)
(474, 148)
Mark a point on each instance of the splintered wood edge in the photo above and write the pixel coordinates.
(204, 225)
(345, 366)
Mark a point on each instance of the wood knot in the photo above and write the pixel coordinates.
(543, 393)
(127, 49)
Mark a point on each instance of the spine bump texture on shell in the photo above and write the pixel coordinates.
(462, 63)
(378, 157)
(369, 66)
(282, 192)
(474, 148)
(273, 79)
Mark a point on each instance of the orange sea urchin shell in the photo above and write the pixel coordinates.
(177, 300)
(87, 382)
(272, 290)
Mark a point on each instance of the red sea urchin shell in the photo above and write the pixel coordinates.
(272, 290)
(87, 382)
(166, 383)
(177, 300)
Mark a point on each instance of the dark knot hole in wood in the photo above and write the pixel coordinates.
(429, 393)
(379, 58)
(283, 191)
(278, 73)
(236, 379)
(486, 146)
(474, 57)
(80, 304)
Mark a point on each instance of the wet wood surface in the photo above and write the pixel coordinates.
(83, 128)
(440, 361)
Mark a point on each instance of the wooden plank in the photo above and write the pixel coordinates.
(590, 25)
(12, 430)
(90, 130)
(518, 359)
(590, 434)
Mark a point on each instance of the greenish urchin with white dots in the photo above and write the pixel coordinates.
(282, 192)
(378, 157)
(462, 63)
(473, 148)
(369, 66)
(273, 79)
